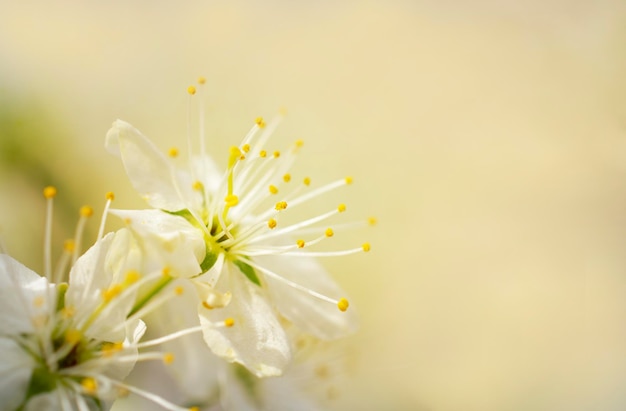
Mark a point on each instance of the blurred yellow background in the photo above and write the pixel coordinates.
(487, 137)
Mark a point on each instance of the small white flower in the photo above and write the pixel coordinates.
(244, 260)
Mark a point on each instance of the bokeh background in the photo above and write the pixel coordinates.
(488, 137)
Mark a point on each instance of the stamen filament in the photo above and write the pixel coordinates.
(169, 337)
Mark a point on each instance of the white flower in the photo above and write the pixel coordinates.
(252, 263)
(70, 347)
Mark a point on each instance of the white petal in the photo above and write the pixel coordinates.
(256, 340)
(149, 171)
(16, 367)
(167, 240)
(22, 296)
(194, 365)
(312, 315)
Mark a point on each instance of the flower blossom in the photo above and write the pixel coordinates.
(226, 233)
(69, 345)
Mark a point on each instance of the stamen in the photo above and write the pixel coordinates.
(172, 152)
(169, 337)
(295, 285)
(260, 122)
(90, 385)
(329, 232)
(68, 251)
(85, 212)
(156, 399)
(262, 153)
(273, 189)
(109, 197)
(306, 181)
(372, 221)
(343, 304)
(168, 358)
(49, 193)
(300, 243)
(281, 205)
(229, 322)
(271, 223)
(287, 178)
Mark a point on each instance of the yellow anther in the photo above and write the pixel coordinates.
(90, 385)
(198, 186)
(73, 336)
(372, 221)
(168, 358)
(281, 205)
(260, 122)
(276, 154)
(191, 90)
(287, 178)
(110, 196)
(271, 223)
(229, 322)
(207, 305)
(49, 192)
(307, 181)
(231, 200)
(108, 349)
(68, 311)
(273, 189)
(343, 304)
(300, 243)
(194, 409)
(127, 221)
(68, 246)
(299, 143)
(263, 153)
(329, 232)
(366, 247)
(39, 301)
(179, 290)
(246, 148)
(86, 211)
(165, 272)
(131, 277)
(112, 292)
(172, 152)
(341, 207)
(348, 180)
(201, 80)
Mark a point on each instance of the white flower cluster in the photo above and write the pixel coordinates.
(216, 256)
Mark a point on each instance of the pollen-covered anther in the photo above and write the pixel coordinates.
(287, 178)
(348, 180)
(273, 189)
(201, 80)
(271, 223)
(276, 154)
(366, 247)
(69, 246)
(263, 153)
(343, 304)
(306, 181)
(207, 305)
(245, 148)
(191, 90)
(110, 195)
(198, 186)
(109, 349)
(329, 232)
(260, 122)
(168, 358)
(73, 336)
(111, 292)
(172, 152)
(90, 385)
(231, 200)
(300, 243)
(49, 192)
(68, 311)
(179, 290)
(166, 271)
(131, 277)
(299, 143)
(372, 221)
(341, 207)
(86, 211)
(281, 205)
(194, 409)
(229, 322)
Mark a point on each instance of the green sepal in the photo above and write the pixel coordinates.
(42, 380)
(209, 260)
(248, 271)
